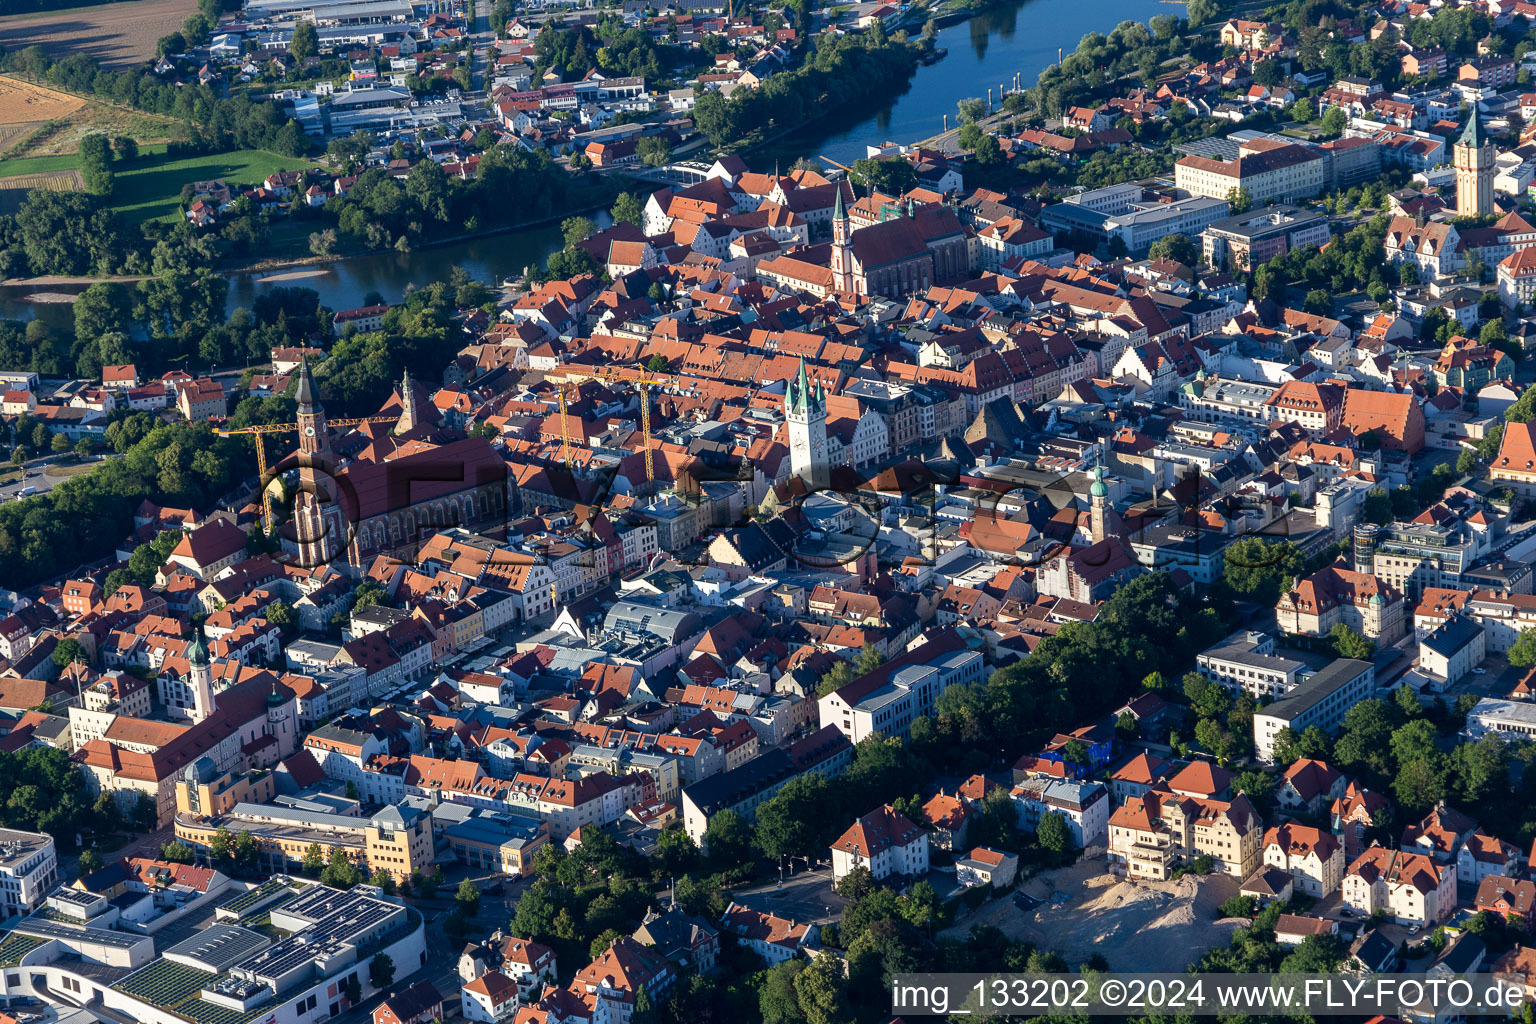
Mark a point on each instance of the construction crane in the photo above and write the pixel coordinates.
(641, 383)
(842, 167)
(258, 432)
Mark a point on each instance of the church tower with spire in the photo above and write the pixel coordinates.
(842, 247)
(1474, 157)
(314, 440)
(1098, 515)
(410, 414)
(805, 411)
(200, 679)
(316, 463)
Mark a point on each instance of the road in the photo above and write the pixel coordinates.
(807, 897)
(35, 476)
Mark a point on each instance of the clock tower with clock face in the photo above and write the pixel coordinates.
(315, 535)
(314, 442)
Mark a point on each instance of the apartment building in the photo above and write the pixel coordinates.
(1084, 805)
(1314, 858)
(1247, 666)
(1515, 465)
(886, 842)
(1336, 595)
(1432, 551)
(1316, 408)
(1409, 887)
(1258, 236)
(396, 839)
(1269, 170)
(1227, 401)
(889, 699)
(1321, 700)
(1152, 834)
(29, 869)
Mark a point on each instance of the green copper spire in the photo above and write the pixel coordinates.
(1099, 488)
(1470, 135)
(197, 654)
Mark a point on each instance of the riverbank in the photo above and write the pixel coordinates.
(601, 199)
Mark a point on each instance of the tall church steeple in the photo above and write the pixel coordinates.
(842, 251)
(410, 415)
(1098, 499)
(316, 463)
(314, 440)
(200, 679)
(805, 413)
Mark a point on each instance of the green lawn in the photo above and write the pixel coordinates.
(37, 165)
(150, 189)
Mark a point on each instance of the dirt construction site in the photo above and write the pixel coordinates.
(1135, 925)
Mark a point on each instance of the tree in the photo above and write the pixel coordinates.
(654, 151)
(246, 851)
(322, 243)
(1206, 698)
(1268, 73)
(90, 862)
(1349, 644)
(1291, 746)
(1239, 200)
(1334, 122)
(988, 151)
(727, 838)
(95, 161)
(972, 109)
(820, 988)
(1466, 462)
(381, 970)
(571, 262)
(577, 229)
(314, 860)
(340, 872)
(1522, 653)
(1174, 247)
(1318, 302)
(468, 898)
(1256, 566)
(221, 847)
(175, 851)
(601, 942)
(777, 1001)
(645, 1011)
(795, 822)
(68, 651)
(353, 990)
(306, 41)
(1053, 833)
(628, 208)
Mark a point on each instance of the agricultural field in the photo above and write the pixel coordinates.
(119, 35)
(25, 103)
(97, 118)
(15, 188)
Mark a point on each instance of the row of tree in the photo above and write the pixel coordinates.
(211, 121)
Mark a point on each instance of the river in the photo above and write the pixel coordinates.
(1015, 37)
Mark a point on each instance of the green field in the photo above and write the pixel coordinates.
(149, 188)
(37, 165)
